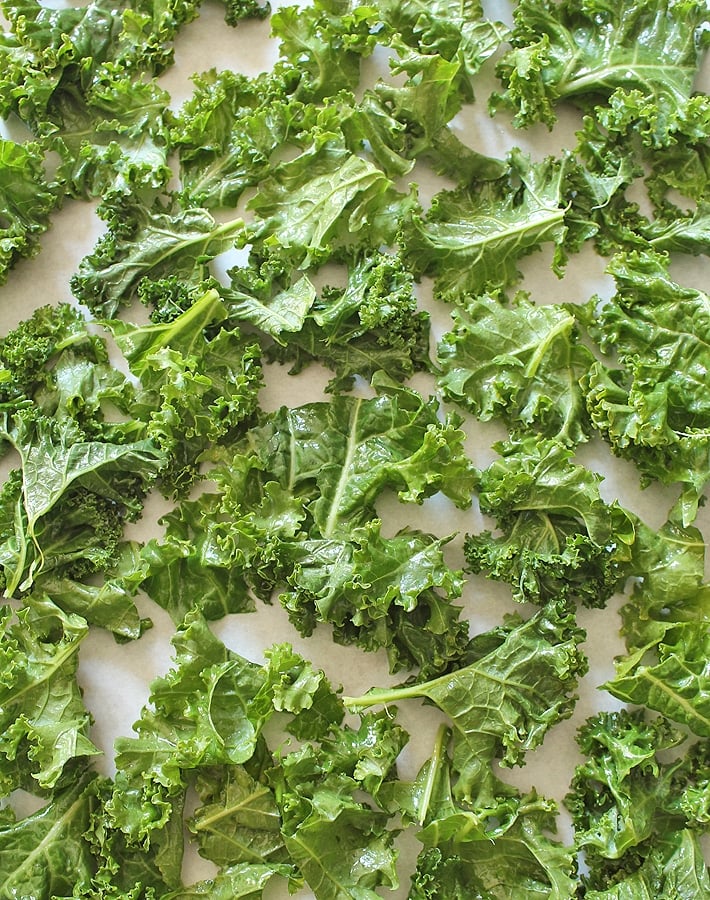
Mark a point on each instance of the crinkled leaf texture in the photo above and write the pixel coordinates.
(556, 536)
(45, 854)
(338, 838)
(520, 362)
(149, 243)
(55, 458)
(638, 809)
(473, 239)
(208, 710)
(503, 703)
(26, 201)
(200, 382)
(641, 54)
(654, 409)
(324, 199)
(44, 722)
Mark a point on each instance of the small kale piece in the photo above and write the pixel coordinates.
(520, 682)
(473, 238)
(46, 854)
(629, 808)
(149, 242)
(638, 59)
(371, 325)
(333, 832)
(519, 361)
(557, 538)
(326, 201)
(56, 459)
(45, 725)
(450, 31)
(26, 200)
(326, 41)
(199, 380)
(652, 407)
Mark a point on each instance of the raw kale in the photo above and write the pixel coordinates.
(651, 407)
(295, 513)
(149, 243)
(44, 854)
(503, 850)
(199, 383)
(326, 201)
(450, 31)
(26, 200)
(317, 157)
(372, 325)
(633, 812)
(519, 362)
(520, 682)
(636, 61)
(226, 133)
(472, 239)
(556, 536)
(45, 725)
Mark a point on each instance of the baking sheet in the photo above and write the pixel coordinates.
(115, 678)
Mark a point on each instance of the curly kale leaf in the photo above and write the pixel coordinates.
(501, 844)
(377, 592)
(113, 140)
(242, 881)
(199, 381)
(150, 243)
(502, 703)
(295, 512)
(56, 458)
(225, 134)
(422, 109)
(338, 457)
(557, 538)
(472, 239)
(52, 359)
(674, 868)
(451, 31)
(328, 820)
(238, 821)
(522, 362)
(640, 58)
(45, 724)
(671, 676)
(208, 710)
(653, 408)
(51, 51)
(189, 568)
(324, 201)
(45, 854)
(26, 200)
(327, 42)
(629, 808)
(371, 325)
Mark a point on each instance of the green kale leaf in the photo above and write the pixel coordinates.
(556, 536)
(200, 383)
(373, 324)
(45, 853)
(640, 57)
(519, 684)
(630, 809)
(652, 408)
(149, 243)
(26, 200)
(44, 722)
(521, 362)
(472, 239)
